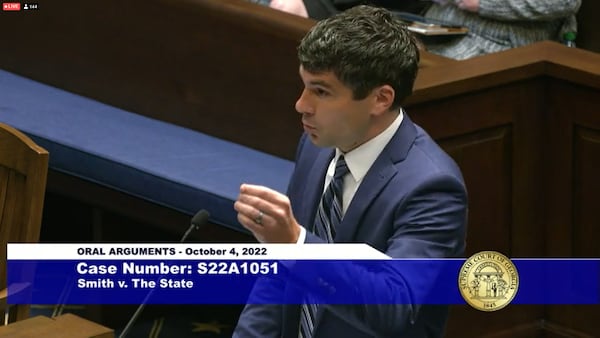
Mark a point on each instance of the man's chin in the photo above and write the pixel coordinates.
(318, 141)
(315, 139)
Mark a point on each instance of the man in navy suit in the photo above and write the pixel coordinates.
(400, 193)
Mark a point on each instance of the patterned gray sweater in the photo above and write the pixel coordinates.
(503, 24)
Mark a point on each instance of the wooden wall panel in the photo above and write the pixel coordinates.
(588, 25)
(552, 330)
(571, 185)
(586, 192)
(579, 321)
(511, 322)
(503, 182)
(527, 208)
(485, 159)
(570, 155)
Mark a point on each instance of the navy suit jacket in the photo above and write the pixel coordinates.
(411, 203)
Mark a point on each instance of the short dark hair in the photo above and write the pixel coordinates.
(364, 47)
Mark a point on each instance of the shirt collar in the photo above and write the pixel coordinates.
(360, 159)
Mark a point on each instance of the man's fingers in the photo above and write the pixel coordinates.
(248, 223)
(249, 211)
(256, 229)
(278, 212)
(255, 202)
(266, 213)
(264, 193)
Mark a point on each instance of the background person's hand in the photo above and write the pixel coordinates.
(291, 6)
(267, 214)
(468, 5)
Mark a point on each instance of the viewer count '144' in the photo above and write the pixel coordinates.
(17, 6)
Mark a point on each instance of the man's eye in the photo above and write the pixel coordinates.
(320, 92)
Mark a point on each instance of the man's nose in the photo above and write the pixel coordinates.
(303, 104)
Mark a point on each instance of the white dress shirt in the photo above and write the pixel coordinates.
(359, 161)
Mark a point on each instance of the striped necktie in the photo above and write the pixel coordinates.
(329, 216)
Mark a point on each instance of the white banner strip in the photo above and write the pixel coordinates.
(124, 251)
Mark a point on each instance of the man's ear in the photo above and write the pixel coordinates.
(383, 98)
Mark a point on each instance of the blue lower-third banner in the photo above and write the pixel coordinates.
(284, 281)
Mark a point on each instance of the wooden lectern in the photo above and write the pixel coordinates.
(64, 326)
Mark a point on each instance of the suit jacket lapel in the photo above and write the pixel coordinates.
(314, 189)
(376, 179)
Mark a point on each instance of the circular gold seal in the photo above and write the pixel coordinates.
(488, 281)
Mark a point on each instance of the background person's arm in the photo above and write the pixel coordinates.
(523, 10)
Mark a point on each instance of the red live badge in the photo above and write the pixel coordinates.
(11, 6)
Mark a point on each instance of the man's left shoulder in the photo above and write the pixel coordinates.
(431, 155)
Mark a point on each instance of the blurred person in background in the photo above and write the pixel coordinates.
(494, 25)
(497, 25)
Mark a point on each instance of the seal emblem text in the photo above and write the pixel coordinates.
(488, 281)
